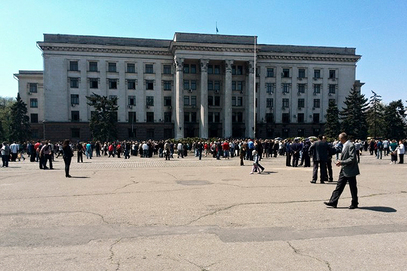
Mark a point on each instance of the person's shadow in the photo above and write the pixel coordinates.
(383, 209)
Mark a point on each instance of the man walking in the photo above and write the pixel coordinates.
(348, 173)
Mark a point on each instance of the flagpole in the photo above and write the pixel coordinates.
(254, 85)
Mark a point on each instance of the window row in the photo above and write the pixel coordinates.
(301, 88)
(93, 66)
(302, 73)
(300, 103)
(285, 118)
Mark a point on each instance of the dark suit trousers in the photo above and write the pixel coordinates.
(341, 186)
(322, 166)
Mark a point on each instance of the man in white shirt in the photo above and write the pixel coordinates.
(14, 150)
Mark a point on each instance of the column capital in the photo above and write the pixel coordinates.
(179, 63)
(228, 65)
(204, 65)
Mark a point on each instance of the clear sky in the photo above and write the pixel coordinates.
(376, 28)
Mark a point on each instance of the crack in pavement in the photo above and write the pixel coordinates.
(296, 251)
(112, 254)
(132, 183)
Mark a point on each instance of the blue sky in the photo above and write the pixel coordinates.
(377, 29)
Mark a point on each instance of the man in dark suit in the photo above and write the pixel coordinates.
(348, 173)
(319, 152)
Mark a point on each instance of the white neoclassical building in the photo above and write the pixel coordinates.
(193, 85)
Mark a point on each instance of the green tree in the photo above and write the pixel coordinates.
(374, 116)
(104, 118)
(19, 122)
(353, 116)
(332, 125)
(394, 122)
(5, 105)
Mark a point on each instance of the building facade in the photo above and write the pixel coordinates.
(195, 85)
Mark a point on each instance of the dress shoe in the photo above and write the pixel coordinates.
(330, 204)
(353, 207)
(313, 182)
(68, 176)
(322, 182)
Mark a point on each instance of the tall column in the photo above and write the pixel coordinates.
(179, 98)
(203, 120)
(250, 102)
(227, 108)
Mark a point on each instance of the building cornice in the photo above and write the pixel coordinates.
(106, 50)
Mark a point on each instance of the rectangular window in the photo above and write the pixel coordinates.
(233, 101)
(186, 68)
(332, 89)
(149, 68)
(301, 73)
(34, 103)
(131, 68)
(74, 82)
(132, 100)
(112, 83)
(239, 86)
(216, 116)
(286, 73)
(93, 66)
(193, 68)
(269, 117)
(132, 117)
(217, 69)
(149, 100)
(317, 74)
(34, 118)
(216, 86)
(332, 74)
(74, 116)
(239, 70)
(210, 85)
(217, 100)
(233, 85)
(239, 101)
(286, 88)
(186, 100)
(33, 87)
(193, 100)
(270, 88)
(131, 84)
(270, 72)
(186, 85)
(74, 99)
(186, 117)
(300, 117)
(315, 118)
(286, 103)
(193, 84)
(73, 66)
(93, 83)
(317, 103)
(167, 85)
(210, 100)
(167, 69)
(150, 116)
(167, 101)
(167, 116)
(301, 88)
(269, 102)
(210, 69)
(286, 118)
(111, 67)
(301, 103)
(149, 85)
(193, 117)
(317, 88)
(75, 133)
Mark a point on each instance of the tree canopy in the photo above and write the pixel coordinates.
(19, 122)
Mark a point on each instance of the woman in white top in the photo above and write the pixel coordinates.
(400, 152)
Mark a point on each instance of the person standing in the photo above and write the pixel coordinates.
(14, 150)
(393, 151)
(67, 155)
(349, 171)
(295, 151)
(401, 151)
(79, 149)
(319, 151)
(5, 154)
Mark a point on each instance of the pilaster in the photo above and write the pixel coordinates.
(179, 99)
(203, 118)
(250, 102)
(227, 108)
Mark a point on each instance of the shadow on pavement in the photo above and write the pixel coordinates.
(379, 209)
(79, 177)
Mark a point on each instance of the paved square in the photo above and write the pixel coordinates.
(186, 214)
